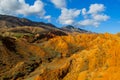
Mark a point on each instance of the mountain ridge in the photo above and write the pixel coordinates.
(8, 21)
(71, 28)
(22, 21)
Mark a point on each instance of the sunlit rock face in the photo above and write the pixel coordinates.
(50, 53)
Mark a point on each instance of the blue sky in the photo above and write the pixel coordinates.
(93, 15)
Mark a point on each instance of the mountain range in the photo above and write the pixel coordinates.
(41, 51)
(7, 21)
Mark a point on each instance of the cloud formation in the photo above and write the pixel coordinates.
(94, 16)
(36, 8)
(9, 7)
(96, 8)
(88, 22)
(100, 17)
(68, 15)
(84, 11)
(59, 3)
(48, 17)
(20, 7)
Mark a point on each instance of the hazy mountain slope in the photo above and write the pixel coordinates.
(71, 28)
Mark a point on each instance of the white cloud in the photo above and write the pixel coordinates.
(84, 11)
(59, 3)
(9, 7)
(36, 8)
(96, 8)
(68, 15)
(89, 22)
(48, 17)
(17, 7)
(94, 16)
(100, 17)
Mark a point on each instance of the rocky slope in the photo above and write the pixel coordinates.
(49, 53)
(80, 57)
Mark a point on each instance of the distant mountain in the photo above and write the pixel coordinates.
(11, 21)
(71, 28)
(7, 21)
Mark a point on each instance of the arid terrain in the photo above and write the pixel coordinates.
(41, 51)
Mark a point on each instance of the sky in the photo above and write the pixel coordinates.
(94, 15)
